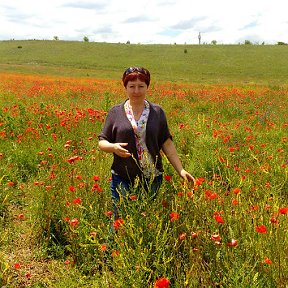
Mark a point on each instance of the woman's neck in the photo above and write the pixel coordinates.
(137, 104)
(137, 108)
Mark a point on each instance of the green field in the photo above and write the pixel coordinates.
(226, 106)
(209, 64)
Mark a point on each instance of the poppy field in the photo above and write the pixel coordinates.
(230, 229)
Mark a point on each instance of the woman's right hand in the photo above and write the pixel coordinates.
(120, 150)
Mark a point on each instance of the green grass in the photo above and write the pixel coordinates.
(209, 64)
(234, 136)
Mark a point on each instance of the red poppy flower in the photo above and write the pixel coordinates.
(133, 197)
(233, 243)
(28, 275)
(283, 210)
(234, 202)
(216, 237)
(108, 213)
(72, 159)
(261, 229)
(219, 219)
(115, 253)
(182, 236)
(10, 184)
(174, 216)
(162, 283)
(167, 177)
(194, 235)
(96, 178)
(267, 261)
(77, 201)
(93, 234)
(236, 190)
(74, 222)
(118, 223)
(72, 188)
(199, 181)
(17, 265)
(274, 220)
(103, 247)
(21, 216)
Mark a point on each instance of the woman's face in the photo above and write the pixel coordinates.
(136, 89)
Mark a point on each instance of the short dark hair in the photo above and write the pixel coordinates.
(132, 73)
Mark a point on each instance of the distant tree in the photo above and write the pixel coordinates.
(281, 43)
(56, 38)
(248, 42)
(85, 39)
(213, 42)
(128, 42)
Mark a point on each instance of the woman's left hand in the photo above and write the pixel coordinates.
(187, 176)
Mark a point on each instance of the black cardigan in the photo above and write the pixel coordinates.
(118, 129)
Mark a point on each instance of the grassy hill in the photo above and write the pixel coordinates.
(239, 64)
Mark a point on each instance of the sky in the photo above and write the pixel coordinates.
(146, 21)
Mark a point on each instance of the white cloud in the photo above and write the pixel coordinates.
(146, 21)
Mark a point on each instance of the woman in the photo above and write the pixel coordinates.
(135, 131)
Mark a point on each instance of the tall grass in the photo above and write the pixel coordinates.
(230, 230)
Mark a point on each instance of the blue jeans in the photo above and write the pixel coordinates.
(121, 188)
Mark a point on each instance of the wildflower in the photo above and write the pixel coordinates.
(194, 235)
(274, 220)
(167, 177)
(74, 222)
(236, 190)
(199, 181)
(261, 229)
(96, 178)
(181, 125)
(28, 275)
(283, 210)
(77, 201)
(109, 213)
(182, 236)
(103, 247)
(72, 188)
(115, 253)
(97, 188)
(93, 234)
(174, 216)
(219, 219)
(10, 184)
(267, 261)
(234, 202)
(72, 159)
(216, 237)
(162, 283)
(233, 243)
(190, 194)
(133, 197)
(17, 266)
(118, 223)
(67, 262)
(21, 216)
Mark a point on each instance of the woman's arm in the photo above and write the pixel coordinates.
(116, 148)
(170, 151)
